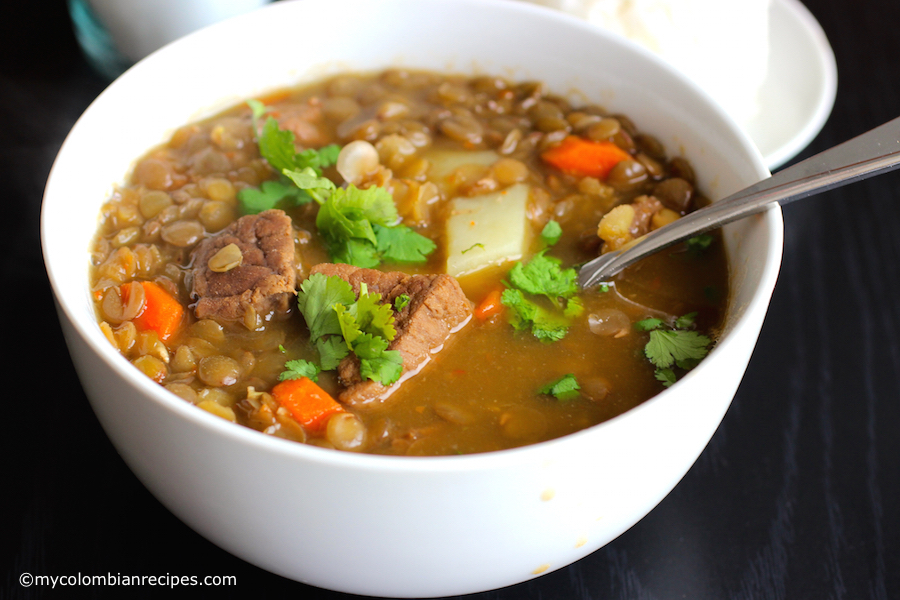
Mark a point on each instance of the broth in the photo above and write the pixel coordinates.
(439, 138)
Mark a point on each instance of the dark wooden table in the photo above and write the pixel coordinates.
(797, 495)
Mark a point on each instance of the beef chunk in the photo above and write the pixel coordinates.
(644, 209)
(437, 308)
(265, 279)
(306, 123)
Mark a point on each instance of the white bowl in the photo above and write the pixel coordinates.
(396, 526)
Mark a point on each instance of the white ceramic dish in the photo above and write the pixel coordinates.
(799, 90)
(394, 526)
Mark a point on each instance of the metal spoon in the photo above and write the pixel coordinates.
(871, 153)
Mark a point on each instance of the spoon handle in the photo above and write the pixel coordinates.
(869, 154)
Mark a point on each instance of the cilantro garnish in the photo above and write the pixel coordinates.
(686, 321)
(526, 315)
(276, 145)
(542, 276)
(332, 350)
(269, 194)
(698, 244)
(287, 188)
(339, 323)
(360, 227)
(648, 324)
(365, 317)
(674, 346)
(310, 183)
(400, 244)
(551, 232)
(666, 376)
(401, 302)
(296, 369)
(316, 300)
(563, 389)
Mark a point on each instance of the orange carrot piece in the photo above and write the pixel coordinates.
(489, 306)
(162, 313)
(310, 405)
(275, 97)
(585, 158)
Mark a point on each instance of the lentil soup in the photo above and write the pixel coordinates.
(384, 263)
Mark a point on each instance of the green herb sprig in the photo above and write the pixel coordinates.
(547, 318)
(359, 227)
(675, 346)
(564, 389)
(341, 323)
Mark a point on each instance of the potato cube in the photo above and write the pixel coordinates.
(486, 230)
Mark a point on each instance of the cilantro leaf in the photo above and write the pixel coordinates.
(316, 299)
(401, 244)
(666, 376)
(549, 332)
(347, 320)
(340, 323)
(574, 307)
(366, 317)
(295, 369)
(686, 321)
(373, 317)
(667, 347)
(374, 204)
(314, 185)
(360, 228)
(258, 109)
(276, 145)
(543, 275)
(648, 324)
(269, 194)
(551, 232)
(673, 346)
(332, 350)
(369, 347)
(564, 389)
(401, 302)
(350, 213)
(317, 159)
(699, 243)
(356, 252)
(527, 315)
(385, 369)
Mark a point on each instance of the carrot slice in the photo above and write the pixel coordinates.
(585, 158)
(489, 306)
(310, 405)
(162, 313)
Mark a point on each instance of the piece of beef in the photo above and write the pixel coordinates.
(305, 121)
(265, 279)
(644, 209)
(437, 308)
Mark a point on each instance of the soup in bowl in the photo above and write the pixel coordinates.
(371, 249)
